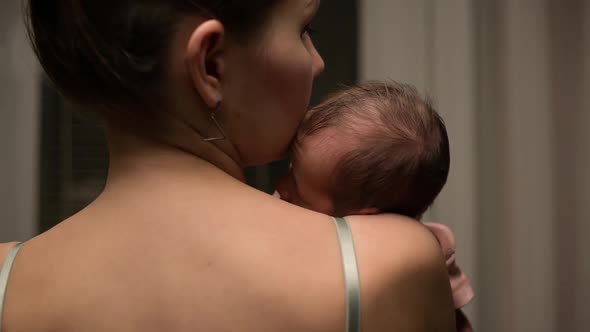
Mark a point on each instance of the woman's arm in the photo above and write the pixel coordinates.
(404, 277)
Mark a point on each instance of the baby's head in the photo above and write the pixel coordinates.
(374, 148)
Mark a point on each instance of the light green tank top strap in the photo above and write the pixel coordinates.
(5, 274)
(351, 276)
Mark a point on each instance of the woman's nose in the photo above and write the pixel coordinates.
(318, 63)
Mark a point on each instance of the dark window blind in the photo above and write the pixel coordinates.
(74, 160)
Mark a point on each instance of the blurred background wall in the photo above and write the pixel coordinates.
(510, 77)
(19, 114)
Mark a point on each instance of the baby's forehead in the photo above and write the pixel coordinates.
(327, 144)
(336, 127)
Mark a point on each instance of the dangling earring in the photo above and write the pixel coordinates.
(214, 123)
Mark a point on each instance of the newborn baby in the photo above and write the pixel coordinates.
(375, 148)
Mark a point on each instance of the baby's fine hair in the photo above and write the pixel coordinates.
(398, 158)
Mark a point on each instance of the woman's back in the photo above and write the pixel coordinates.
(252, 263)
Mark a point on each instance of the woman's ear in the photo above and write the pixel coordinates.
(204, 60)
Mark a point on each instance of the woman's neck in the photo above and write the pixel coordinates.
(143, 154)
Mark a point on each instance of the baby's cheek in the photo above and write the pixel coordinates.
(283, 190)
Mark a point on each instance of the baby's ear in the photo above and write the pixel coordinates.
(366, 211)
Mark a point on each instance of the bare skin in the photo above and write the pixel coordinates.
(177, 242)
(271, 266)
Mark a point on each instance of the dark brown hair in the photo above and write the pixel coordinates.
(400, 158)
(112, 52)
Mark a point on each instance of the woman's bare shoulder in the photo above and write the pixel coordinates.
(397, 235)
(4, 249)
(405, 281)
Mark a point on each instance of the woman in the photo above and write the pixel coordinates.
(190, 92)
